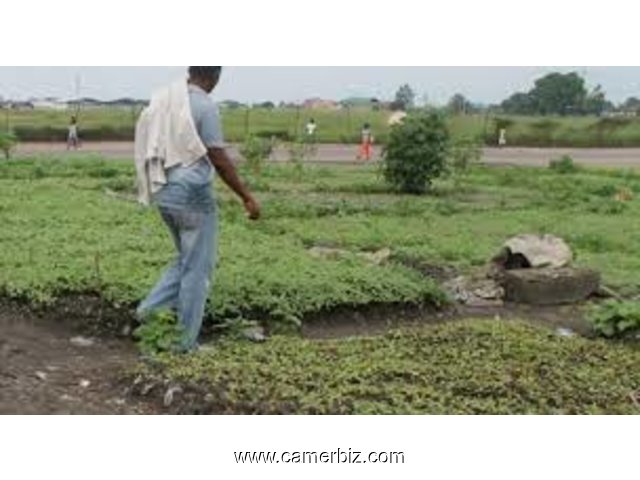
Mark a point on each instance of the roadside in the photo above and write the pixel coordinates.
(345, 154)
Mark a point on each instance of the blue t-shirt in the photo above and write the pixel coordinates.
(190, 187)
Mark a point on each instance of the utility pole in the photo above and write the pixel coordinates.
(246, 121)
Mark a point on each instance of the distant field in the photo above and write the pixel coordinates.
(338, 126)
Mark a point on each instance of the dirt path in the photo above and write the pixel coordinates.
(345, 154)
(42, 371)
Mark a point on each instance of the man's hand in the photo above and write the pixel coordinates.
(227, 172)
(252, 207)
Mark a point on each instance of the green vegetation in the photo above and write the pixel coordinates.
(70, 226)
(615, 318)
(159, 332)
(472, 367)
(256, 151)
(563, 165)
(416, 153)
(8, 141)
(343, 126)
(67, 229)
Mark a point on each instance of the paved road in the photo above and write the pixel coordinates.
(344, 154)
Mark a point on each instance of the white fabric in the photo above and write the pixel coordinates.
(311, 128)
(166, 137)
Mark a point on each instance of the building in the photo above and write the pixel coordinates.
(49, 103)
(320, 104)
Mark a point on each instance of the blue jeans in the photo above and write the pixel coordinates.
(184, 287)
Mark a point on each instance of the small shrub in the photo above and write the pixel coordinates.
(256, 151)
(416, 152)
(159, 332)
(615, 318)
(8, 141)
(563, 165)
(299, 151)
(465, 151)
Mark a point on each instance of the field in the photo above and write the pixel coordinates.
(76, 246)
(339, 126)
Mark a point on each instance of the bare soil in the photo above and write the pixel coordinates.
(43, 372)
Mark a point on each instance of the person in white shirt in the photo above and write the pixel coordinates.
(502, 139)
(73, 141)
(311, 129)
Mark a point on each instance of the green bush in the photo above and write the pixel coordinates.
(615, 318)
(256, 151)
(563, 165)
(7, 143)
(416, 152)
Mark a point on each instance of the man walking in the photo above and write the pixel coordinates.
(179, 147)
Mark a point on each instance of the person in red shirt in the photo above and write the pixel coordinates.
(366, 145)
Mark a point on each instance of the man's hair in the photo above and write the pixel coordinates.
(205, 72)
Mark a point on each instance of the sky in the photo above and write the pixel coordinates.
(291, 84)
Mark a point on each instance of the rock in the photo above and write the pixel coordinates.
(126, 331)
(84, 383)
(41, 376)
(540, 250)
(255, 334)
(550, 286)
(565, 332)
(82, 342)
(475, 292)
(377, 258)
(169, 396)
(146, 389)
(326, 253)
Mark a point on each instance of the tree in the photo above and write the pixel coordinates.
(459, 105)
(267, 105)
(519, 104)
(631, 105)
(596, 102)
(405, 98)
(232, 104)
(416, 152)
(558, 93)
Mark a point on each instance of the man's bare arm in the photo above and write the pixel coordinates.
(227, 171)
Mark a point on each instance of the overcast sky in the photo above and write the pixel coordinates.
(254, 84)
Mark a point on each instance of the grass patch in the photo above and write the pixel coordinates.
(472, 367)
(65, 232)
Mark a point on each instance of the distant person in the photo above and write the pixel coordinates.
(311, 129)
(73, 141)
(366, 143)
(502, 137)
(179, 147)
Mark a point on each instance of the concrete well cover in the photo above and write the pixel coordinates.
(541, 250)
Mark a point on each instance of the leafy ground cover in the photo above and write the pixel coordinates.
(70, 227)
(472, 367)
